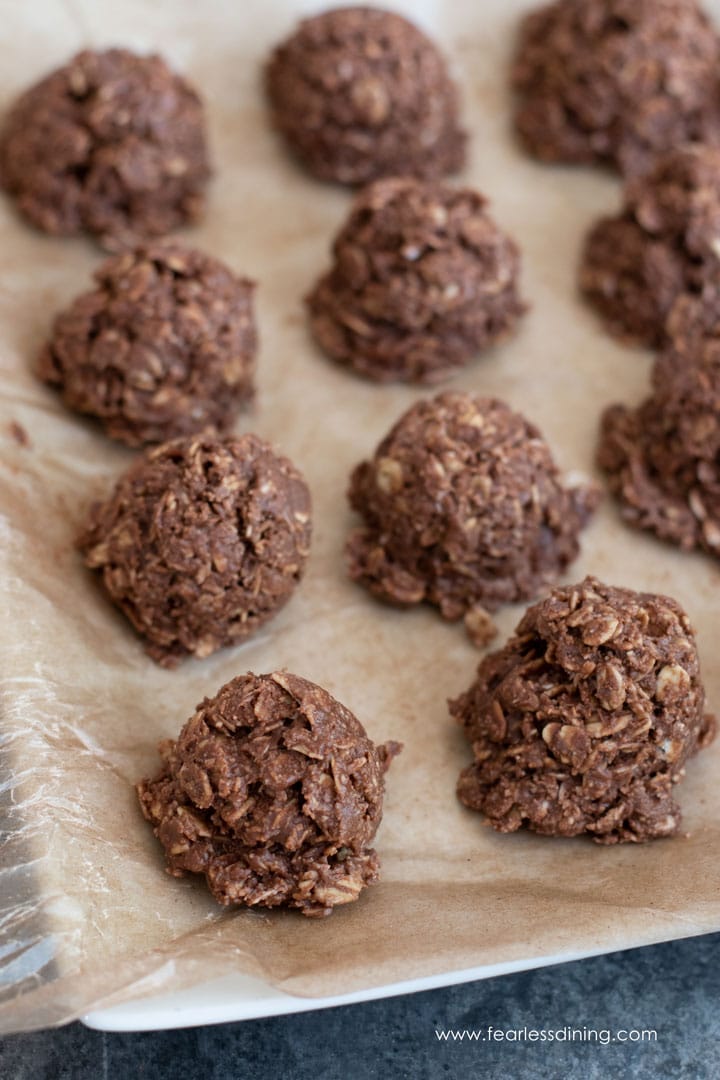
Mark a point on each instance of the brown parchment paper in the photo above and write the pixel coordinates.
(87, 915)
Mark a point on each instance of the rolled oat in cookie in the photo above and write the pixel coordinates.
(616, 81)
(463, 507)
(582, 723)
(112, 144)
(163, 346)
(664, 242)
(661, 459)
(360, 93)
(201, 542)
(274, 792)
(422, 281)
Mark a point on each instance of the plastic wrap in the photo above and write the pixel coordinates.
(87, 915)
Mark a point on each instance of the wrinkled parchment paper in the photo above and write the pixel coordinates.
(87, 914)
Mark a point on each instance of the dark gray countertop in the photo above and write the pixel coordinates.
(671, 989)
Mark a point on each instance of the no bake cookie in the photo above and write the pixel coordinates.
(463, 507)
(661, 459)
(665, 242)
(112, 144)
(422, 281)
(163, 346)
(582, 723)
(360, 93)
(201, 542)
(616, 81)
(274, 792)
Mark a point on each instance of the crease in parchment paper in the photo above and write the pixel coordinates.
(87, 915)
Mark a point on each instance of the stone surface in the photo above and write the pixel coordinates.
(672, 988)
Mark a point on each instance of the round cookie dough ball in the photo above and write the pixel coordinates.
(360, 93)
(111, 144)
(666, 241)
(616, 80)
(201, 542)
(583, 722)
(274, 792)
(163, 346)
(463, 507)
(423, 280)
(662, 459)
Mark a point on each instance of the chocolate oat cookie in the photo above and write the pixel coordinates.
(274, 792)
(111, 144)
(201, 542)
(360, 93)
(423, 280)
(463, 507)
(663, 243)
(662, 458)
(163, 346)
(616, 81)
(583, 722)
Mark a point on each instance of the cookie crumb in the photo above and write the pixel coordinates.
(19, 434)
(480, 626)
